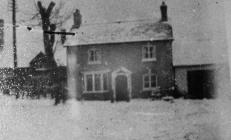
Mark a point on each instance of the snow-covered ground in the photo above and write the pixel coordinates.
(101, 120)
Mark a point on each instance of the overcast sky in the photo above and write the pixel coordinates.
(198, 26)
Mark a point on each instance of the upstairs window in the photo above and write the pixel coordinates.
(149, 53)
(149, 81)
(94, 56)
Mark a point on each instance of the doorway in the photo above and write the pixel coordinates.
(201, 84)
(121, 84)
(121, 88)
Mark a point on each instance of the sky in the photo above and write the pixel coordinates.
(199, 26)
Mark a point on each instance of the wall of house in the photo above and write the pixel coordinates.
(129, 55)
(181, 79)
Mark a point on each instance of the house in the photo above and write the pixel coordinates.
(121, 60)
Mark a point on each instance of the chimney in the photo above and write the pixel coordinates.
(164, 12)
(77, 19)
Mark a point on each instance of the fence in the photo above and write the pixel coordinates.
(32, 83)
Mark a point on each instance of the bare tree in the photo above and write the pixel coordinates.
(48, 39)
(49, 18)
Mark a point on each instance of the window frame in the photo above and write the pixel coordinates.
(102, 82)
(149, 75)
(149, 59)
(94, 56)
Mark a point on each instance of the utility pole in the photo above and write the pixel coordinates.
(14, 32)
(13, 7)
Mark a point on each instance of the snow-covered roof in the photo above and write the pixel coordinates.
(120, 32)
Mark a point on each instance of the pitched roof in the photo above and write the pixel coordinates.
(120, 32)
(41, 61)
(39, 56)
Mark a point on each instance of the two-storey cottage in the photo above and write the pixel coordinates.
(120, 60)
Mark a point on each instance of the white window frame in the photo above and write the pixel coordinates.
(93, 82)
(149, 76)
(144, 59)
(99, 56)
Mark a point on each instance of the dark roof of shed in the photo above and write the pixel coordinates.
(41, 61)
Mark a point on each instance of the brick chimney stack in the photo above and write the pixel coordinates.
(164, 12)
(77, 19)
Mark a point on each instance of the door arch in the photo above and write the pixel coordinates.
(123, 75)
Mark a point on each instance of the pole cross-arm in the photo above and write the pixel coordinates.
(60, 33)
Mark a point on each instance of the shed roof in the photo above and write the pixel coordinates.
(41, 61)
(120, 32)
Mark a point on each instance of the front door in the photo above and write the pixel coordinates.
(121, 87)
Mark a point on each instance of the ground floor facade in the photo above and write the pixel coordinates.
(120, 84)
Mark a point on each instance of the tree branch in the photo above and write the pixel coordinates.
(35, 16)
(62, 19)
(56, 12)
(41, 8)
(50, 7)
(36, 6)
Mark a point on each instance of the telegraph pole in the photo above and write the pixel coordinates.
(14, 32)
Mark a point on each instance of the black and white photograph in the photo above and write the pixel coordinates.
(115, 70)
